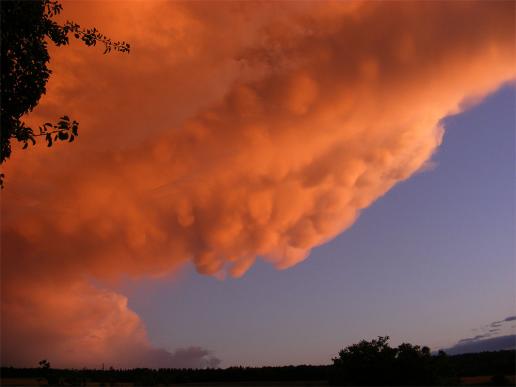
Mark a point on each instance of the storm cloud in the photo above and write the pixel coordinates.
(230, 133)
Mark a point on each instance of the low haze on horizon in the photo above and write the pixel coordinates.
(266, 183)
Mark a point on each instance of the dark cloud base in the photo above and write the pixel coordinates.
(491, 344)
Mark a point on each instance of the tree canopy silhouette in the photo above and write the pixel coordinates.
(374, 362)
(27, 27)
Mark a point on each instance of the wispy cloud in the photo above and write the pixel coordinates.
(497, 324)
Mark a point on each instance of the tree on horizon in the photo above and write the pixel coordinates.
(375, 362)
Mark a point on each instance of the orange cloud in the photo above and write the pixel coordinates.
(230, 132)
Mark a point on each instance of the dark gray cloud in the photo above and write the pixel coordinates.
(481, 345)
(495, 324)
(475, 338)
(487, 340)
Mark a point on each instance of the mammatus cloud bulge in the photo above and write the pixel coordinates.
(260, 137)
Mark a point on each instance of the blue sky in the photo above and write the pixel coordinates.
(427, 263)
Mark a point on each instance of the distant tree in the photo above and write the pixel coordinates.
(26, 29)
(44, 364)
(48, 372)
(413, 365)
(371, 363)
(366, 363)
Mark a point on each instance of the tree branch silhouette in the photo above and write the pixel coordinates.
(27, 29)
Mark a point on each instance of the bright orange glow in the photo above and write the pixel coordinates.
(230, 132)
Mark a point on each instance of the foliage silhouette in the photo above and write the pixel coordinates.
(26, 29)
(48, 373)
(371, 363)
(44, 364)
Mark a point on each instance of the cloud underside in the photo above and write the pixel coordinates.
(230, 132)
(498, 343)
(492, 337)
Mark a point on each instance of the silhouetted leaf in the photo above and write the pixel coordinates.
(27, 28)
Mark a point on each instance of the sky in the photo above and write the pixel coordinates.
(265, 183)
(431, 263)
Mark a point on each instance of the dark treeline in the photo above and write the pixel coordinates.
(149, 377)
(484, 363)
(496, 364)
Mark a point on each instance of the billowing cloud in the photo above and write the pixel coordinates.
(230, 133)
(66, 322)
